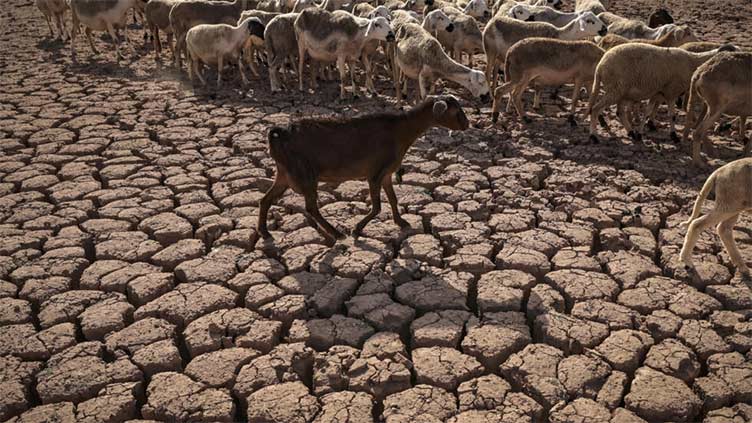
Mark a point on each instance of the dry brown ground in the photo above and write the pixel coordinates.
(538, 281)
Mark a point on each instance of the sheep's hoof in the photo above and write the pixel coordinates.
(572, 121)
(674, 137)
(650, 125)
(602, 122)
(594, 140)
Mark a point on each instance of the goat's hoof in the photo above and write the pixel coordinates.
(594, 140)
(572, 121)
(674, 137)
(602, 122)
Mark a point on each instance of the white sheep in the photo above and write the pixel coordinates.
(633, 72)
(547, 62)
(218, 43)
(502, 32)
(733, 195)
(526, 12)
(632, 29)
(501, 7)
(54, 11)
(475, 8)
(465, 38)
(281, 45)
(595, 6)
(418, 55)
(99, 15)
(723, 85)
(336, 36)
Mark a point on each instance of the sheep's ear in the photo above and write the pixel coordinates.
(439, 108)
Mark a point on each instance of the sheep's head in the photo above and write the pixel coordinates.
(590, 25)
(448, 112)
(379, 29)
(301, 5)
(380, 12)
(477, 9)
(478, 86)
(255, 30)
(437, 20)
(682, 34)
(521, 13)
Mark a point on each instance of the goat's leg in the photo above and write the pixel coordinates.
(277, 189)
(695, 230)
(312, 208)
(726, 232)
(374, 187)
(386, 183)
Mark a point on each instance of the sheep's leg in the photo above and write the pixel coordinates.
(155, 41)
(59, 24)
(114, 37)
(301, 63)
(375, 189)
(596, 107)
(695, 230)
(386, 183)
(273, 68)
(626, 122)
(49, 26)
(197, 68)
(220, 65)
(672, 121)
(277, 189)
(422, 83)
(700, 131)
(342, 76)
(369, 74)
(73, 34)
(726, 232)
(491, 69)
(351, 67)
(536, 98)
(252, 61)
(242, 71)
(397, 83)
(742, 128)
(179, 46)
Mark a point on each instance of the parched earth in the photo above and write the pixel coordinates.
(538, 280)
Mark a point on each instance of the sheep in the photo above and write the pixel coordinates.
(733, 195)
(157, 13)
(54, 10)
(466, 37)
(632, 29)
(478, 9)
(189, 13)
(502, 32)
(610, 18)
(365, 10)
(281, 45)
(250, 50)
(658, 17)
(99, 15)
(634, 72)
(214, 43)
(595, 6)
(419, 56)
(547, 62)
(337, 36)
(723, 85)
(525, 12)
(369, 147)
(332, 5)
(501, 7)
(677, 37)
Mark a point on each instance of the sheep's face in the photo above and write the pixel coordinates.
(477, 9)
(478, 86)
(379, 29)
(684, 35)
(438, 20)
(521, 13)
(448, 113)
(590, 25)
(380, 12)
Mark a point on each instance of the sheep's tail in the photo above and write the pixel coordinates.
(594, 91)
(709, 184)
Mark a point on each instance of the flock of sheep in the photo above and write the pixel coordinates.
(618, 61)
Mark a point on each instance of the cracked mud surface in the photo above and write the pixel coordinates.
(537, 282)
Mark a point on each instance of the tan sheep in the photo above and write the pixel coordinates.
(733, 195)
(675, 38)
(54, 11)
(595, 6)
(501, 33)
(547, 62)
(723, 85)
(281, 45)
(633, 72)
(465, 38)
(157, 15)
(632, 29)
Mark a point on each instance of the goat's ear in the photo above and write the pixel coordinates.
(439, 108)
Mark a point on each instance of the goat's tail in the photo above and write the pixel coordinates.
(709, 184)
(277, 143)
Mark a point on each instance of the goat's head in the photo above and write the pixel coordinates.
(380, 11)
(477, 9)
(255, 30)
(590, 25)
(521, 13)
(379, 29)
(437, 20)
(447, 112)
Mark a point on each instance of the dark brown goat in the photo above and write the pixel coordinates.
(368, 147)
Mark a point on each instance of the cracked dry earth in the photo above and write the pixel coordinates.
(538, 280)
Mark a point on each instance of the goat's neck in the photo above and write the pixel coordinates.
(413, 124)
